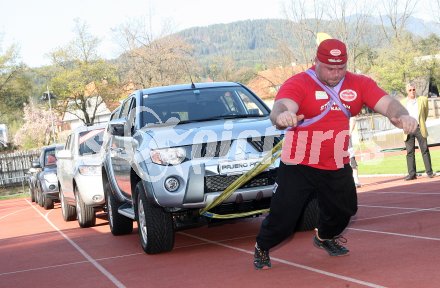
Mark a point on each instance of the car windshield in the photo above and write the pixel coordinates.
(201, 105)
(90, 142)
(49, 157)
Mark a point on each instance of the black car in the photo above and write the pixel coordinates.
(46, 182)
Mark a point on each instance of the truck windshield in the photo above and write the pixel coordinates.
(200, 105)
(90, 142)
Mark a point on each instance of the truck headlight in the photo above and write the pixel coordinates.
(89, 170)
(168, 156)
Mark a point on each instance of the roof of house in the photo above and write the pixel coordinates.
(267, 82)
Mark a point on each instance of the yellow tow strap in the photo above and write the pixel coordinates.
(267, 160)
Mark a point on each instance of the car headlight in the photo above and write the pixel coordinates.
(89, 170)
(50, 177)
(168, 156)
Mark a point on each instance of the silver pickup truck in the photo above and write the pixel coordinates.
(170, 151)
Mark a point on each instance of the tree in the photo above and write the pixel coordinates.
(15, 87)
(397, 13)
(36, 130)
(351, 26)
(436, 10)
(151, 61)
(83, 80)
(398, 64)
(305, 18)
(430, 60)
(9, 68)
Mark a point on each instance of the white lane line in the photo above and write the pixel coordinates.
(42, 268)
(220, 241)
(80, 250)
(400, 208)
(15, 212)
(414, 210)
(395, 234)
(401, 192)
(308, 268)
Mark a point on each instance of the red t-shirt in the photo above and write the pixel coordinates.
(324, 143)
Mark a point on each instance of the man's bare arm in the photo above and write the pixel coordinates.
(398, 115)
(283, 114)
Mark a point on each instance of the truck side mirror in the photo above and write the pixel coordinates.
(117, 127)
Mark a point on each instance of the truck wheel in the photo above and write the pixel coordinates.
(119, 224)
(47, 202)
(85, 214)
(68, 211)
(309, 218)
(155, 226)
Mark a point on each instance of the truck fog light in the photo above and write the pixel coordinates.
(172, 184)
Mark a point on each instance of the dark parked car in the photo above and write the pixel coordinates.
(46, 181)
(32, 180)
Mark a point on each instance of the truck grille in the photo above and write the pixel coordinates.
(221, 182)
(211, 149)
(264, 143)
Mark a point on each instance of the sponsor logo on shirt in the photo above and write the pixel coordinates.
(348, 95)
(334, 107)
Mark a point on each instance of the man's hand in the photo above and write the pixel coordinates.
(287, 119)
(405, 122)
(397, 114)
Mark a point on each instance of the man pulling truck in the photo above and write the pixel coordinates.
(315, 107)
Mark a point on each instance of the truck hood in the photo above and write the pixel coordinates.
(211, 131)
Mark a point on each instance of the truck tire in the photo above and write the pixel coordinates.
(47, 202)
(119, 224)
(309, 218)
(85, 213)
(68, 211)
(155, 226)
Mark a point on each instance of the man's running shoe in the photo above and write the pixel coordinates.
(261, 258)
(332, 246)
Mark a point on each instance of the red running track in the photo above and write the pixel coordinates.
(394, 242)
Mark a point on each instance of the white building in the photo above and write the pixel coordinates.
(73, 118)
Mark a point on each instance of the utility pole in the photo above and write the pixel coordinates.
(51, 115)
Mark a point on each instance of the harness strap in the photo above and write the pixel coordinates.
(333, 95)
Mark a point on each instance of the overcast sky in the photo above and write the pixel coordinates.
(41, 26)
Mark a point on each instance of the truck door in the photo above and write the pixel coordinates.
(121, 150)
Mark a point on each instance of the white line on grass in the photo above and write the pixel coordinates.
(308, 268)
(80, 250)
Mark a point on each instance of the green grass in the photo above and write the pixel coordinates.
(14, 196)
(14, 192)
(389, 163)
